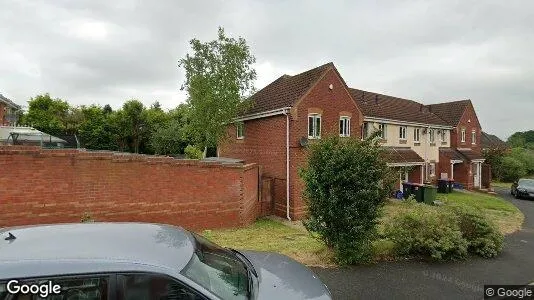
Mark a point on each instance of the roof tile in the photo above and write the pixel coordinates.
(388, 107)
(286, 90)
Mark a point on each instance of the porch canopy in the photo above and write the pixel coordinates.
(402, 157)
(399, 157)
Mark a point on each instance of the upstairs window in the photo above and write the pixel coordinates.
(382, 127)
(473, 137)
(417, 135)
(402, 132)
(432, 135)
(344, 126)
(463, 135)
(314, 126)
(240, 128)
(443, 135)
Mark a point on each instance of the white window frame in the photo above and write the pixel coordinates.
(344, 126)
(240, 135)
(463, 135)
(316, 132)
(473, 137)
(443, 135)
(417, 135)
(432, 169)
(403, 132)
(431, 136)
(383, 128)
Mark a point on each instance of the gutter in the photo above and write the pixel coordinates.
(269, 113)
(286, 113)
(406, 123)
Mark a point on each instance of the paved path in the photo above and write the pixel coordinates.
(462, 280)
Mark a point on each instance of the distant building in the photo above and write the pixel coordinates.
(28, 136)
(8, 112)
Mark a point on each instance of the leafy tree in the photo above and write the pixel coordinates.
(512, 169)
(154, 119)
(172, 137)
(131, 121)
(494, 158)
(46, 114)
(346, 184)
(95, 132)
(219, 77)
(526, 157)
(107, 109)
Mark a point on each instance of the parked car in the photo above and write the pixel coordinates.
(130, 261)
(523, 188)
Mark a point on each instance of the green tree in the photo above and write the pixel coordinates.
(512, 169)
(154, 119)
(346, 184)
(131, 122)
(218, 78)
(173, 136)
(95, 131)
(47, 114)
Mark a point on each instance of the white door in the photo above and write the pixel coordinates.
(476, 174)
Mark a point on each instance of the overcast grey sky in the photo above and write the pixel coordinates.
(105, 52)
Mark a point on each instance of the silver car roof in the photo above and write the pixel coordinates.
(45, 250)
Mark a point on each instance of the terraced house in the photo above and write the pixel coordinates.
(424, 142)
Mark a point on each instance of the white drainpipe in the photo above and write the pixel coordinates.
(287, 165)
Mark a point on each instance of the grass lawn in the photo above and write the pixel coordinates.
(499, 184)
(294, 241)
(275, 236)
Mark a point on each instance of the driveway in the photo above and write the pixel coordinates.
(461, 280)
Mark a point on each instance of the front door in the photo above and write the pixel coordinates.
(476, 175)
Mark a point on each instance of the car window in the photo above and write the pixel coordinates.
(526, 182)
(71, 288)
(218, 270)
(153, 287)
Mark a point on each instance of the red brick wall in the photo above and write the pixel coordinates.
(331, 104)
(463, 174)
(444, 166)
(456, 134)
(55, 186)
(265, 144)
(415, 175)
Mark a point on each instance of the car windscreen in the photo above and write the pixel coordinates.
(526, 182)
(217, 270)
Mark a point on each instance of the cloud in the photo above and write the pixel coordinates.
(97, 51)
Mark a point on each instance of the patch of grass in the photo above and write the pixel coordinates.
(274, 236)
(508, 218)
(499, 184)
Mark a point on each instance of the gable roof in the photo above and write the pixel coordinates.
(451, 112)
(492, 141)
(388, 107)
(8, 102)
(286, 90)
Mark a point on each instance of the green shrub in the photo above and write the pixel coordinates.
(512, 169)
(483, 236)
(87, 218)
(346, 184)
(427, 232)
(193, 152)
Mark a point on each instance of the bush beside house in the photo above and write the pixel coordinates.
(346, 184)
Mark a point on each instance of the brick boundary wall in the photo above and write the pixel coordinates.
(39, 186)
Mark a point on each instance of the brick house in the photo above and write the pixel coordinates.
(8, 111)
(464, 160)
(287, 113)
(411, 134)
(423, 142)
